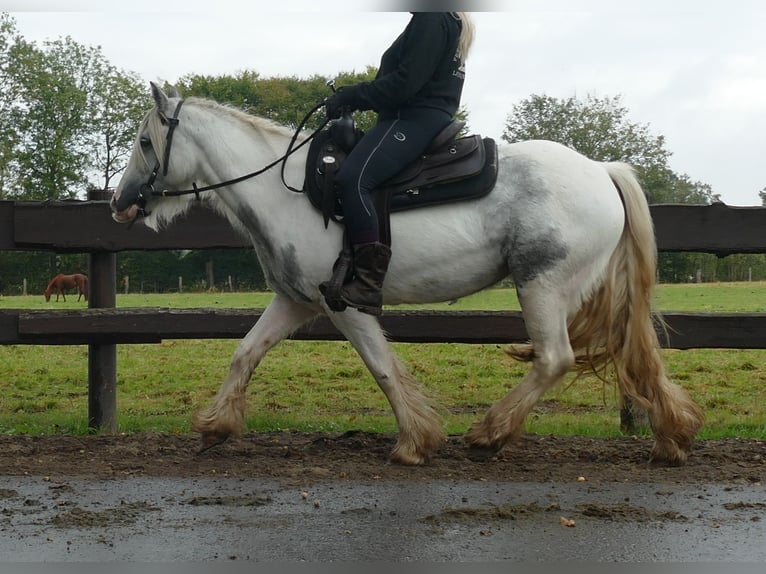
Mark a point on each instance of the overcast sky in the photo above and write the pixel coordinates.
(693, 70)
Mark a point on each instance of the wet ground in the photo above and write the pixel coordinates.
(293, 496)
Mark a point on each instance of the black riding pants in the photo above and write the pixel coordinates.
(383, 151)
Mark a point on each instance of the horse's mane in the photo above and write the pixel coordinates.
(259, 123)
(156, 130)
(49, 288)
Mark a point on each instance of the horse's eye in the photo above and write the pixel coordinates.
(145, 142)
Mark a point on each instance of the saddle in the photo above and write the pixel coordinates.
(449, 170)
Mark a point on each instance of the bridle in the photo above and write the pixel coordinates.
(147, 189)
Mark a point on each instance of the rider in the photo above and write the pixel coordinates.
(416, 94)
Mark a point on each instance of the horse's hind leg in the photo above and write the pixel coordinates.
(420, 428)
(674, 417)
(226, 416)
(553, 357)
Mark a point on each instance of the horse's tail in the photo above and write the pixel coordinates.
(83, 287)
(615, 329)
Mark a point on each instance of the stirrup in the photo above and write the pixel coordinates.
(367, 309)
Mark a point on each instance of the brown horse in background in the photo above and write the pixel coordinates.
(61, 282)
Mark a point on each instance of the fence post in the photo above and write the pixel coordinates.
(102, 358)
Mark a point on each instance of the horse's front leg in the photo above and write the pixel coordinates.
(226, 416)
(420, 427)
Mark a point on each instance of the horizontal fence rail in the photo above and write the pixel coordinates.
(152, 325)
(87, 227)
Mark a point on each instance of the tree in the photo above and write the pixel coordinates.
(7, 139)
(681, 189)
(284, 99)
(116, 105)
(600, 129)
(13, 52)
(52, 122)
(762, 195)
(68, 117)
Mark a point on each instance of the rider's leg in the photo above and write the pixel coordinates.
(388, 147)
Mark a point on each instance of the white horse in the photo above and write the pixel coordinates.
(575, 235)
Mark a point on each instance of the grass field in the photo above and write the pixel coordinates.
(324, 386)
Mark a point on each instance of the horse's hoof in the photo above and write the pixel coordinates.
(482, 453)
(211, 439)
(414, 459)
(661, 457)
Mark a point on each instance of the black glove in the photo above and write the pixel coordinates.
(344, 98)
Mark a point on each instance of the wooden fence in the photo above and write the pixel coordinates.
(86, 227)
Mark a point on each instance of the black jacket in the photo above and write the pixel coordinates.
(422, 68)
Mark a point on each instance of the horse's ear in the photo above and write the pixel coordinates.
(160, 99)
(173, 92)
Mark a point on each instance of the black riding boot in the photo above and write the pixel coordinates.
(370, 266)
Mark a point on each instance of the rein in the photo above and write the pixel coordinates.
(172, 123)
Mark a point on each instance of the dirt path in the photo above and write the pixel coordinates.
(292, 458)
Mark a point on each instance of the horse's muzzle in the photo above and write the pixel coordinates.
(126, 215)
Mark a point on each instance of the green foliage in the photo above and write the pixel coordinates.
(117, 104)
(159, 271)
(600, 129)
(12, 50)
(37, 268)
(684, 267)
(286, 100)
(148, 271)
(596, 127)
(52, 162)
(68, 117)
(241, 265)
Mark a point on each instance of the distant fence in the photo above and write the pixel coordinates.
(86, 227)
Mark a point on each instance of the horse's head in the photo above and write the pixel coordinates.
(148, 170)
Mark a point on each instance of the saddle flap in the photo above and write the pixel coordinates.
(323, 161)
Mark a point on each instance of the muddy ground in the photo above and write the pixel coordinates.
(335, 497)
(300, 458)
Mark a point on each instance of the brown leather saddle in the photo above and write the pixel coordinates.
(451, 169)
